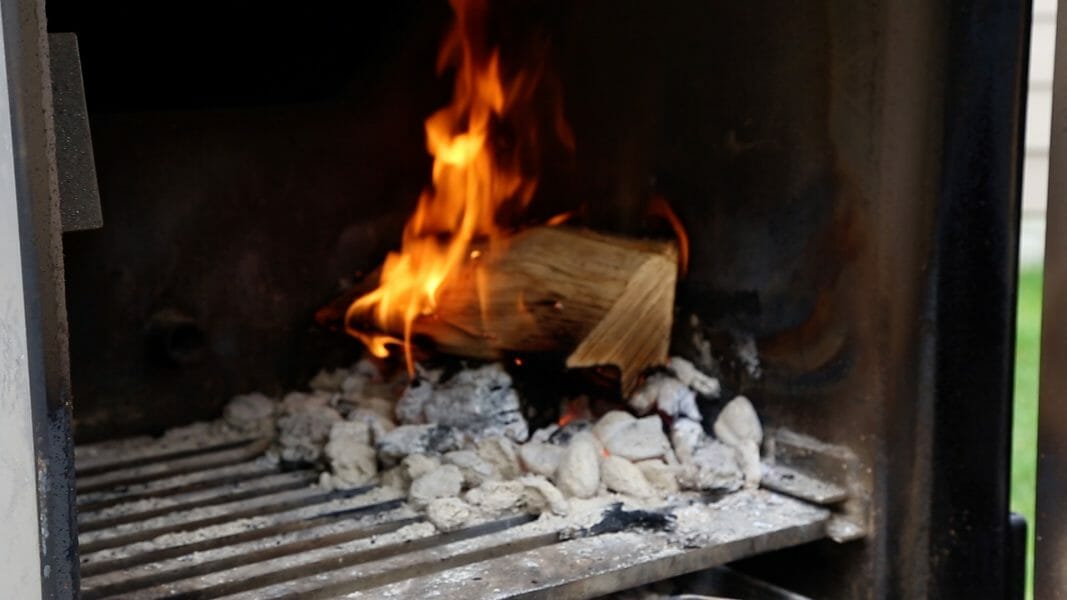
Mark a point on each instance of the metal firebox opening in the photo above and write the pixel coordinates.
(849, 174)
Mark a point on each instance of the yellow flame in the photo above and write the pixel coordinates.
(469, 184)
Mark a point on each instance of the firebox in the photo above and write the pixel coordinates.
(842, 178)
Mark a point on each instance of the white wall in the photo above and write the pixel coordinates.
(1038, 127)
(19, 552)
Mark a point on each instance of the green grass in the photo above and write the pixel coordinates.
(1024, 430)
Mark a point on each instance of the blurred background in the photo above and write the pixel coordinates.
(1031, 258)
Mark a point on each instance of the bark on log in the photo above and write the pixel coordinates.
(597, 299)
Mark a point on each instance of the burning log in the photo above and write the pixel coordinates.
(599, 300)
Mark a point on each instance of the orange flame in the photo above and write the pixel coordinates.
(560, 219)
(659, 207)
(470, 182)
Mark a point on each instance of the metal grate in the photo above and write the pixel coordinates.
(214, 520)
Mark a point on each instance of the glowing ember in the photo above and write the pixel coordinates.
(575, 410)
(471, 181)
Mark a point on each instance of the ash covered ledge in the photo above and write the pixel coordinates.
(704, 535)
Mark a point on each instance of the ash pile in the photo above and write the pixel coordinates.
(460, 449)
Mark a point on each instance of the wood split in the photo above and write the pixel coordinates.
(600, 300)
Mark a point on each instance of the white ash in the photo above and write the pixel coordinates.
(406, 533)
(356, 469)
(448, 514)
(674, 392)
(417, 439)
(410, 468)
(531, 493)
(477, 401)
(586, 513)
(611, 423)
(362, 379)
(738, 423)
(540, 495)
(329, 381)
(501, 453)
(395, 478)
(690, 375)
(545, 434)
(578, 474)
(250, 413)
(540, 458)
(353, 461)
(476, 470)
(739, 427)
(660, 475)
(713, 467)
(705, 463)
(371, 404)
(349, 432)
(417, 465)
(568, 475)
(639, 439)
(378, 424)
(496, 497)
(450, 446)
(695, 525)
(303, 431)
(410, 407)
(561, 436)
(665, 394)
(686, 437)
(294, 401)
(621, 475)
(749, 459)
(366, 370)
(444, 482)
(353, 385)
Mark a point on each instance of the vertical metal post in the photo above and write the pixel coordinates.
(1050, 561)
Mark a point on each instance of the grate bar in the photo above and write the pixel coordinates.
(595, 566)
(257, 529)
(314, 564)
(431, 567)
(217, 559)
(212, 515)
(583, 568)
(156, 470)
(127, 513)
(155, 453)
(178, 484)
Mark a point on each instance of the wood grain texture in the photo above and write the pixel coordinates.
(600, 300)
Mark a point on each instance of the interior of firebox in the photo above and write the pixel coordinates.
(255, 165)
